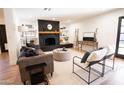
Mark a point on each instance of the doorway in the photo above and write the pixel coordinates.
(3, 39)
(120, 38)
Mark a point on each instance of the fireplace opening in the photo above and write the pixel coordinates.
(50, 41)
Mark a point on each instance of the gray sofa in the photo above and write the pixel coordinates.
(27, 61)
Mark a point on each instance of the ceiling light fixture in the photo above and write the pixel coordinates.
(47, 9)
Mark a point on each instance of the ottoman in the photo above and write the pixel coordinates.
(61, 55)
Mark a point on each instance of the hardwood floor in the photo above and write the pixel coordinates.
(117, 78)
(10, 74)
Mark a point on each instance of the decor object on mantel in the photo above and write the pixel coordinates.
(49, 27)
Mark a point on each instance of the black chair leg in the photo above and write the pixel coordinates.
(113, 63)
(46, 82)
(89, 76)
(103, 68)
(51, 74)
(24, 82)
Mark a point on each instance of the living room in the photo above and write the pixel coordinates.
(68, 27)
(102, 24)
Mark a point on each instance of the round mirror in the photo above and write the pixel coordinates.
(49, 27)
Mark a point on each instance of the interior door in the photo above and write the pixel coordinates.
(120, 38)
(3, 39)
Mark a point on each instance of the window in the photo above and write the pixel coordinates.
(120, 38)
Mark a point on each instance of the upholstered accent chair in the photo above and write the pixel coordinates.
(23, 62)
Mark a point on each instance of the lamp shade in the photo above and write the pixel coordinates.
(22, 28)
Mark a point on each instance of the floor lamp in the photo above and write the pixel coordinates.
(23, 29)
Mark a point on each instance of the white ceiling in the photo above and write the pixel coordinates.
(61, 14)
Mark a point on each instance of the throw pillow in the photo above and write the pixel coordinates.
(28, 52)
(97, 55)
(84, 59)
(92, 57)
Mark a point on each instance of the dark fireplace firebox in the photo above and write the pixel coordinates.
(49, 40)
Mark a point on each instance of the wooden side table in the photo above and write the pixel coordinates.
(88, 43)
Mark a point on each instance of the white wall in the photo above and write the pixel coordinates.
(2, 21)
(12, 35)
(1, 16)
(71, 32)
(107, 25)
(25, 17)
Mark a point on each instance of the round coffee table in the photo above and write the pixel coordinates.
(61, 55)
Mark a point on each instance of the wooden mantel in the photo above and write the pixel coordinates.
(49, 32)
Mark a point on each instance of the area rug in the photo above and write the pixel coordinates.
(63, 73)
